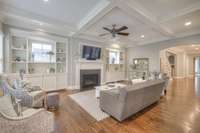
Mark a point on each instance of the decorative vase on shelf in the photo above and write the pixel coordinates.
(50, 53)
(33, 56)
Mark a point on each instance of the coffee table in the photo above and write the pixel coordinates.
(107, 87)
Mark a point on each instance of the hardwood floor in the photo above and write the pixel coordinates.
(177, 112)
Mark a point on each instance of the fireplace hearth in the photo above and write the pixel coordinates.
(89, 79)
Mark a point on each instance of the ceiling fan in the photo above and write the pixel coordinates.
(115, 31)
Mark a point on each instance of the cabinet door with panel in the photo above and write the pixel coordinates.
(61, 81)
(35, 81)
(50, 82)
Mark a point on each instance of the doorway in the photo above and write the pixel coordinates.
(197, 66)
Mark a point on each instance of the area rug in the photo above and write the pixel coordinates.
(89, 103)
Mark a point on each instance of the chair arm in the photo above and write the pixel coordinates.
(26, 99)
(18, 93)
(39, 121)
(110, 103)
(23, 117)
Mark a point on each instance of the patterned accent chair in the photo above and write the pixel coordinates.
(29, 98)
(29, 121)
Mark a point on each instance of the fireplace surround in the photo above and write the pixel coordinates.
(89, 79)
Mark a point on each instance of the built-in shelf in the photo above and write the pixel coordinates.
(60, 62)
(18, 62)
(19, 49)
(47, 69)
(60, 53)
(42, 62)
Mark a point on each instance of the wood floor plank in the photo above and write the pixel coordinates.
(177, 112)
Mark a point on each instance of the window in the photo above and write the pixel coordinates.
(114, 57)
(1, 53)
(42, 52)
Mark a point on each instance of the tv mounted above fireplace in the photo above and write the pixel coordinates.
(91, 53)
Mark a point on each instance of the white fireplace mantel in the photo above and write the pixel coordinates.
(88, 65)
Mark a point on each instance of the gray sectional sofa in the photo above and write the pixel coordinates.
(124, 102)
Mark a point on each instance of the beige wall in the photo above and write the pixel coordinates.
(190, 64)
(152, 51)
(180, 64)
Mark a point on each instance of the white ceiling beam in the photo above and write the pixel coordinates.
(90, 37)
(192, 8)
(136, 10)
(96, 14)
(11, 12)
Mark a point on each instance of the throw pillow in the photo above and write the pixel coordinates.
(1, 93)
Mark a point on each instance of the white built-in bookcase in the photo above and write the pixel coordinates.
(21, 57)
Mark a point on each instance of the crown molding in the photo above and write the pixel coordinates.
(15, 13)
(192, 8)
(136, 10)
(190, 33)
(97, 13)
(90, 37)
(132, 8)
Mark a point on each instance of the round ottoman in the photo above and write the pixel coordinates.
(52, 101)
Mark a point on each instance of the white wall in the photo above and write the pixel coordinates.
(75, 55)
(152, 51)
(1, 48)
(190, 64)
(181, 65)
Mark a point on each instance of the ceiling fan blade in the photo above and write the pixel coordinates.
(105, 28)
(121, 29)
(104, 34)
(123, 33)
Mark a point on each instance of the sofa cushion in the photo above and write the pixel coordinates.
(135, 81)
(6, 106)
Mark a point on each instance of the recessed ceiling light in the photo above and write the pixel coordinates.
(188, 23)
(197, 48)
(142, 36)
(45, 0)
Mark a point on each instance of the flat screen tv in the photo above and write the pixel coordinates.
(91, 53)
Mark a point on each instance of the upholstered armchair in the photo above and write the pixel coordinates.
(28, 98)
(27, 121)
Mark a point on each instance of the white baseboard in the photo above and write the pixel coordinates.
(179, 77)
(73, 88)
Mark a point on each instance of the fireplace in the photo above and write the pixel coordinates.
(89, 79)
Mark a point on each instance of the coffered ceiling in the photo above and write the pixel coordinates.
(148, 21)
(188, 49)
